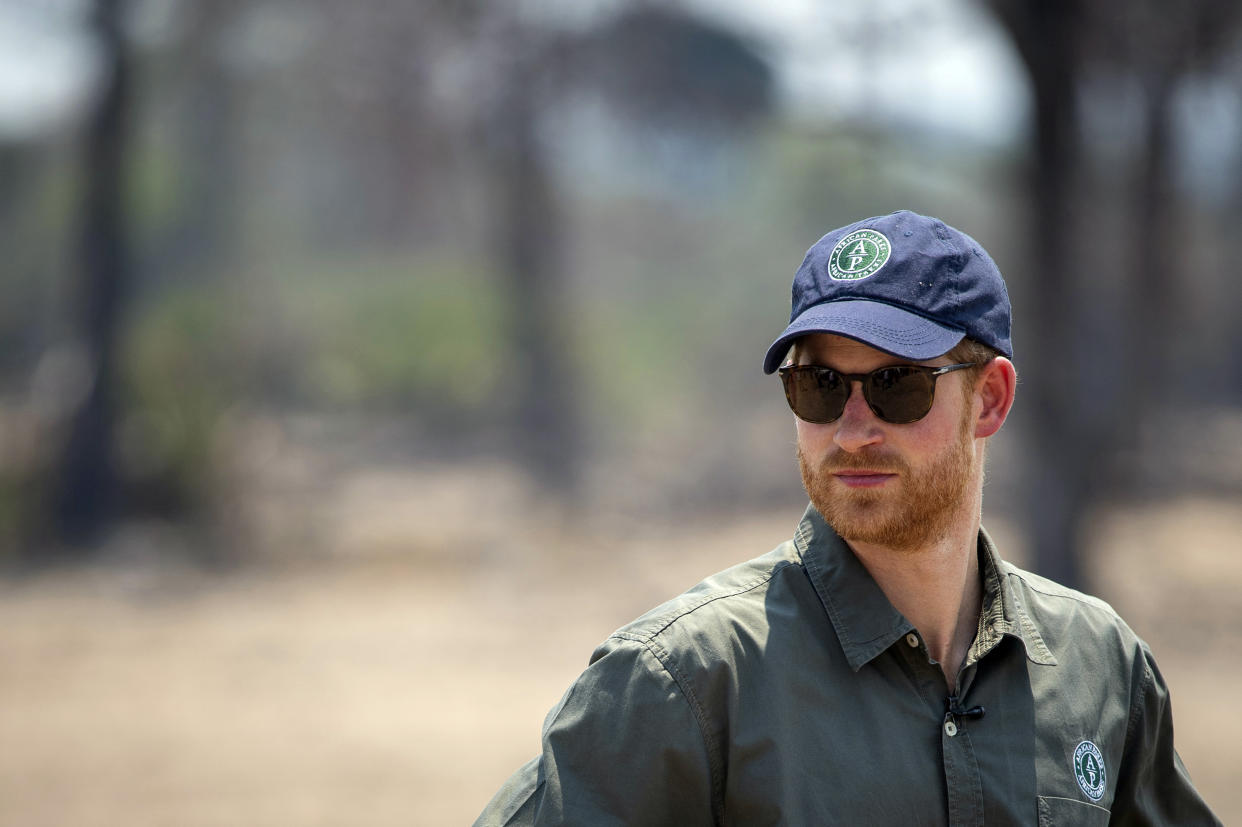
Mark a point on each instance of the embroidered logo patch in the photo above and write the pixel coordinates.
(1089, 770)
(858, 255)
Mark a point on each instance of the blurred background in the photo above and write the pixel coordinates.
(362, 366)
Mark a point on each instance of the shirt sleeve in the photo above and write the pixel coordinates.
(1154, 787)
(624, 746)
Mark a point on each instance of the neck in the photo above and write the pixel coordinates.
(937, 587)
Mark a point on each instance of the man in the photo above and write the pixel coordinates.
(885, 666)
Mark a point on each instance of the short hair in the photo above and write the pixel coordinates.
(967, 351)
(972, 350)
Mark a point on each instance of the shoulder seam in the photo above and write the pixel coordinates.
(650, 642)
(1140, 698)
(1064, 592)
(714, 758)
(711, 597)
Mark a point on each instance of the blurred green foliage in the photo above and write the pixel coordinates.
(183, 364)
(343, 333)
(392, 332)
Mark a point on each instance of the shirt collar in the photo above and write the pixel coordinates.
(867, 623)
(1004, 612)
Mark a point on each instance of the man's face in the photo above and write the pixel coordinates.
(899, 486)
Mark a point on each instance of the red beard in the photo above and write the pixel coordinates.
(918, 510)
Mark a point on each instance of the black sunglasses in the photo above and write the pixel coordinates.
(898, 395)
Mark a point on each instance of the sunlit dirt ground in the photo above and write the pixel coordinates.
(401, 678)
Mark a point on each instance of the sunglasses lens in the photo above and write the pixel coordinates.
(900, 394)
(815, 394)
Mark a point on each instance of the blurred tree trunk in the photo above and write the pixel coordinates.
(1047, 38)
(86, 495)
(1152, 306)
(667, 71)
(1084, 415)
(1163, 53)
(202, 233)
(20, 323)
(530, 230)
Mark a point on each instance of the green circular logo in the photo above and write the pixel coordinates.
(858, 255)
(1089, 770)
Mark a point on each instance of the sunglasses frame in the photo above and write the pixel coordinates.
(788, 371)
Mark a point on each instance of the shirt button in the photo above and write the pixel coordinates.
(950, 728)
(913, 640)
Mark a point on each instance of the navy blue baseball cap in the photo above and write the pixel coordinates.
(904, 283)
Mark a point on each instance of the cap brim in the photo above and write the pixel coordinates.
(882, 326)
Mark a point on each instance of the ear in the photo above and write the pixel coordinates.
(994, 390)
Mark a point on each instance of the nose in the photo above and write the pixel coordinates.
(858, 426)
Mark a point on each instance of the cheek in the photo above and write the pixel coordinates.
(813, 440)
(925, 438)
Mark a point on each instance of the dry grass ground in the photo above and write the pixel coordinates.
(402, 686)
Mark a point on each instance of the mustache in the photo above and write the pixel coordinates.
(865, 461)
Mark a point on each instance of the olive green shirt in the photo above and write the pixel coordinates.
(788, 690)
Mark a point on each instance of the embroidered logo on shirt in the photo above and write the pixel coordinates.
(1089, 770)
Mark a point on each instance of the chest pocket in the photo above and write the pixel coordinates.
(1059, 812)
